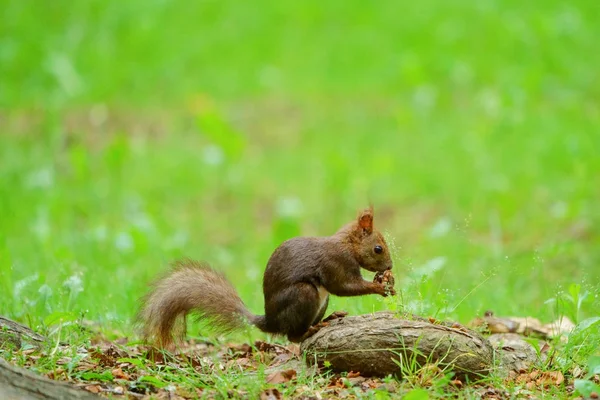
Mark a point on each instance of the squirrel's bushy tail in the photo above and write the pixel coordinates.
(192, 286)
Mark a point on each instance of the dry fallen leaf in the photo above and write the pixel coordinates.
(427, 374)
(371, 383)
(107, 355)
(357, 380)
(494, 393)
(540, 379)
(265, 347)
(63, 361)
(336, 382)
(119, 374)
(457, 382)
(243, 362)
(85, 366)
(577, 372)
(58, 374)
(242, 350)
(281, 376)
(281, 359)
(93, 388)
(530, 385)
(353, 374)
(294, 348)
(550, 378)
(270, 394)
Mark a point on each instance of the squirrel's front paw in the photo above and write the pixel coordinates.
(380, 289)
(386, 281)
(387, 291)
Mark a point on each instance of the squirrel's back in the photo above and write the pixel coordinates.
(293, 259)
(301, 258)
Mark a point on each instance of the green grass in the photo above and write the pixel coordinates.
(135, 133)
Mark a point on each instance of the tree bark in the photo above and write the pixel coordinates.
(18, 383)
(15, 333)
(380, 344)
(514, 353)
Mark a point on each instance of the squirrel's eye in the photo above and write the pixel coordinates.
(378, 249)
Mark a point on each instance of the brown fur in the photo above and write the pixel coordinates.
(299, 276)
(190, 285)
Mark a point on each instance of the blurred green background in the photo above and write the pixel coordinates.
(133, 133)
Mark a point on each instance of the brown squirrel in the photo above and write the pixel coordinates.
(299, 277)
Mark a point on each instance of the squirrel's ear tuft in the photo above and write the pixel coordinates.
(365, 220)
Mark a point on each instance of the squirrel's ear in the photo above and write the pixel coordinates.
(365, 220)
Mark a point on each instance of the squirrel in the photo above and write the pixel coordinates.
(300, 275)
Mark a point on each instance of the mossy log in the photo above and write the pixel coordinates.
(382, 343)
(15, 333)
(19, 383)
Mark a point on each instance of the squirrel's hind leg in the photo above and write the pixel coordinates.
(298, 308)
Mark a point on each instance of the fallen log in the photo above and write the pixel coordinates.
(19, 383)
(382, 343)
(15, 333)
(513, 353)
